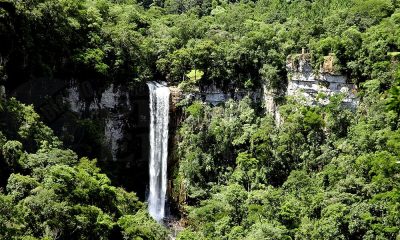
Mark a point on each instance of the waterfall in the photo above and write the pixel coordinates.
(159, 117)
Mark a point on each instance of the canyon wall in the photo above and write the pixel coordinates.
(316, 87)
(309, 86)
(109, 123)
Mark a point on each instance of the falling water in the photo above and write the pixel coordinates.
(159, 116)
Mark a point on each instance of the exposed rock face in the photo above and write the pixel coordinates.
(114, 102)
(270, 104)
(110, 123)
(123, 116)
(316, 88)
(310, 87)
(213, 95)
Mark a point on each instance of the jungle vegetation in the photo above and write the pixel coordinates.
(322, 172)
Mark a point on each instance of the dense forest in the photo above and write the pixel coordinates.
(322, 172)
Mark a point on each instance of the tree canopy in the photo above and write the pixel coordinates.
(322, 172)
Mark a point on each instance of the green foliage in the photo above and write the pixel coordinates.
(228, 43)
(12, 152)
(393, 101)
(28, 126)
(195, 109)
(189, 235)
(141, 226)
(334, 171)
(322, 172)
(52, 194)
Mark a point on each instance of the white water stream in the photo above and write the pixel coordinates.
(159, 117)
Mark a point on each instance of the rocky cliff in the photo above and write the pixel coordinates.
(315, 87)
(110, 123)
(310, 86)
